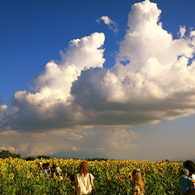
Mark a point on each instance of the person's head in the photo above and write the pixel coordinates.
(184, 173)
(40, 164)
(47, 166)
(137, 179)
(136, 174)
(188, 164)
(83, 168)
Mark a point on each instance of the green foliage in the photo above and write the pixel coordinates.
(7, 154)
(97, 159)
(30, 158)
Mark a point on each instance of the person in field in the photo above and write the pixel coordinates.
(47, 169)
(138, 184)
(40, 166)
(56, 171)
(185, 182)
(190, 166)
(83, 180)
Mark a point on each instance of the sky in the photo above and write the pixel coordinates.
(98, 78)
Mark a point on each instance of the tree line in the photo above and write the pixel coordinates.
(6, 154)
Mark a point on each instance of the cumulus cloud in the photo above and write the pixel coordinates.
(51, 101)
(112, 25)
(156, 82)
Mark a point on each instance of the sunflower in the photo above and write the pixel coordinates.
(2, 175)
(11, 175)
(28, 175)
(130, 176)
(37, 178)
(72, 167)
(68, 180)
(109, 178)
(143, 174)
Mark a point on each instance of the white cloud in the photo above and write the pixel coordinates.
(182, 31)
(3, 108)
(112, 25)
(51, 98)
(155, 84)
(192, 33)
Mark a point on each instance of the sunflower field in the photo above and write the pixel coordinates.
(112, 177)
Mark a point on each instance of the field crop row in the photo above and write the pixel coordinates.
(21, 177)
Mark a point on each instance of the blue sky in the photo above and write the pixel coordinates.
(64, 83)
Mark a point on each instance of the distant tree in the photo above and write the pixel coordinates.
(43, 156)
(97, 159)
(7, 154)
(30, 158)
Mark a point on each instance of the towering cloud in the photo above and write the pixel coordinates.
(51, 102)
(153, 79)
